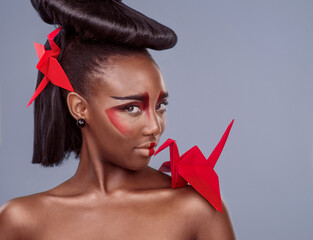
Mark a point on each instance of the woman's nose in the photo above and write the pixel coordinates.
(153, 124)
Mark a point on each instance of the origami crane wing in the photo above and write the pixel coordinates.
(196, 170)
(219, 147)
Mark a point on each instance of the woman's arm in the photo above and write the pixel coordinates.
(216, 226)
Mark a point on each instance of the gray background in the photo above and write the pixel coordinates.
(248, 60)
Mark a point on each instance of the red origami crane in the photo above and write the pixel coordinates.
(48, 64)
(193, 168)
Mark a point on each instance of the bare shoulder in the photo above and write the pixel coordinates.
(157, 179)
(193, 203)
(204, 220)
(201, 217)
(20, 215)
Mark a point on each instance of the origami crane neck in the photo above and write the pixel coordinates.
(193, 168)
(177, 180)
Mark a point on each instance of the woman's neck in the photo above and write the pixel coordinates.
(96, 175)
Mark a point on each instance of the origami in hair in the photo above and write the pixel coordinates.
(193, 168)
(92, 32)
(48, 64)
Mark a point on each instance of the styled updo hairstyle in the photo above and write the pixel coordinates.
(92, 31)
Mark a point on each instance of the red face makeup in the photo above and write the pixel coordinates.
(127, 115)
(146, 150)
(137, 107)
(114, 118)
(114, 112)
(142, 105)
(151, 149)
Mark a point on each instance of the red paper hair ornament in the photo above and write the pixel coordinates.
(48, 64)
(193, 168)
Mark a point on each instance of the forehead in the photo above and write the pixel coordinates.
(128, 75)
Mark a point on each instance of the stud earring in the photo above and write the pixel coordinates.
(81, 123)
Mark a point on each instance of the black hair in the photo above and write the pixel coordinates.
(92, 31)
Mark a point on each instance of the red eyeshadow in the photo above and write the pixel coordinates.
(112, 115)
(147, 106)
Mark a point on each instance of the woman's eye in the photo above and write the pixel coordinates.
(132, 109)
(162, 106)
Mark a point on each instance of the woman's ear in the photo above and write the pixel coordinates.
(77, 105)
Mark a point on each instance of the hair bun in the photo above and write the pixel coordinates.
(106, 20)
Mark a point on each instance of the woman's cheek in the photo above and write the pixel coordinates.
(116, 120)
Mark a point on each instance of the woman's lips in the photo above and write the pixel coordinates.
(147, 149)
(151, 152)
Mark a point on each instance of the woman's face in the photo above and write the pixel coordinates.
(126, 114)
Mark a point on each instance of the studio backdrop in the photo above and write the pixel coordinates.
(247, 60)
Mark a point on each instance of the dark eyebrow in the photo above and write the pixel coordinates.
(140, 97)
(162, 95)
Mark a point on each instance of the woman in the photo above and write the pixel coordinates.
(101, 95)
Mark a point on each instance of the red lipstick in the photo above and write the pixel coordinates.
(147, 149)
(151, 149)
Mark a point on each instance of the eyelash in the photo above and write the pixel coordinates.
(165, 103)
(127, 107)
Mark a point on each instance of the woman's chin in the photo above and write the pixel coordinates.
(139, 164)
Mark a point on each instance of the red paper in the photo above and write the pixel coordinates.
(50, 67)
(193, 168)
